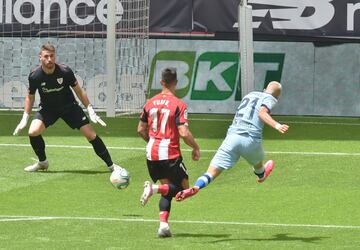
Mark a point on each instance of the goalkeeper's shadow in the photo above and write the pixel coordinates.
(83, 172)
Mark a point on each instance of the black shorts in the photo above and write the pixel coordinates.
(174, 170)
(74, 116)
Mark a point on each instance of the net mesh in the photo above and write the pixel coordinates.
(77, 28)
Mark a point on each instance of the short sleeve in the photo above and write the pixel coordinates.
(269, 102)
(32, 85)
(182, 115)
(71, 77)
(144, 116)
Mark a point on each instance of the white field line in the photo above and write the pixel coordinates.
(229, 120)
(322, 123)
(286, 122)
(189, 150)
(5, 218)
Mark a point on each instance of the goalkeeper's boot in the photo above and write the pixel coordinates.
(269, 166)
(148, 192)
(40, 165)
(164, 231)
(186, 193)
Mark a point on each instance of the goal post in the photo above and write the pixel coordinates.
(246, 48)
(132, 57)
(111, 59)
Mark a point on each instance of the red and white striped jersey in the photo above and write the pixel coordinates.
(164, 113)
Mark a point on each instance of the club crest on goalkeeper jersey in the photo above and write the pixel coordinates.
(164, 113)
(246, 119)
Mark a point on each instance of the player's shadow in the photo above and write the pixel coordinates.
(84, 172)
(279, 237)
(188, 235)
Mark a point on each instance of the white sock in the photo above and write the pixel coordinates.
(155, 188)
(164, 224)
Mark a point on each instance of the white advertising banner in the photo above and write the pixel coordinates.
(316, 80)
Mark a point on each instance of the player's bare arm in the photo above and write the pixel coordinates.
(188, 138)
(265, 116)
(29, 103)
(81, 94)
(143, 130)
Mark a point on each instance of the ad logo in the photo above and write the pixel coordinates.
(80, 12)
(292, 15)
(215, 76)
(212, 75)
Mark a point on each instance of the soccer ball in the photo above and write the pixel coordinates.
(120, 178)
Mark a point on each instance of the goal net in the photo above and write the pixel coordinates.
(78, 29)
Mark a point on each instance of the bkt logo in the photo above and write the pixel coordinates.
(212, 75)
(293, 14)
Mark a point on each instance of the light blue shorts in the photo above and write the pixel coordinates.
(235, 146)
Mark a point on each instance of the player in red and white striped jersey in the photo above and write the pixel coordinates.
(163, 114)
(162, 123)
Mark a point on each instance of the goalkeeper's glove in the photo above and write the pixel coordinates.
(22, 124)
(94, 117)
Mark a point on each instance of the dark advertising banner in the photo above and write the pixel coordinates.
(302, 18)
(45, 17)
(215, 15)
(171, 15)
(316, 18)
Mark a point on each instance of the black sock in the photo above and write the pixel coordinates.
(260, 175)
(38, 145)
(173, 190)
(165, 203)
(101, 150)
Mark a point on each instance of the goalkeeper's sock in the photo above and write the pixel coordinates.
(38, 145)
(203, 180)
(259, 172)
(101, 150)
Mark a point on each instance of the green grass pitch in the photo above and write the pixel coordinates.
(311, 200)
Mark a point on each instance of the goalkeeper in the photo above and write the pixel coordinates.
(53, 81)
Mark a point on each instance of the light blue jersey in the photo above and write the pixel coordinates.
(246, 119)
(244, 135)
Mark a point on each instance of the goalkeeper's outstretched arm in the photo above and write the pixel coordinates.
(29, 102)
(81, 94)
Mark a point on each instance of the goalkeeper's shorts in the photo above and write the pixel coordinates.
(73, 116)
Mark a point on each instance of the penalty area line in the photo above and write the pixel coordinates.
(7, 218)
(186, 150)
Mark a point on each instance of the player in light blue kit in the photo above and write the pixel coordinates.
(244, 138)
